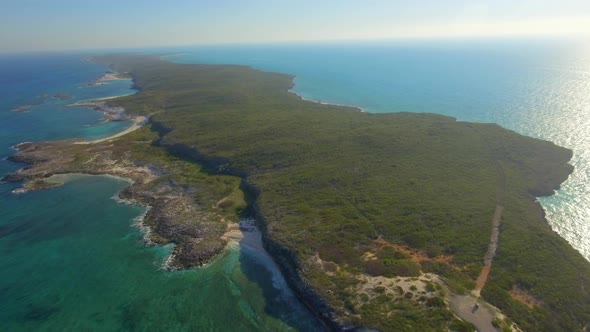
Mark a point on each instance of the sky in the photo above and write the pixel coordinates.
(42, 25)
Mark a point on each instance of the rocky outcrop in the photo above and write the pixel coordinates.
(174, 217)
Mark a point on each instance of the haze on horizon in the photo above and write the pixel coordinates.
(40, 25)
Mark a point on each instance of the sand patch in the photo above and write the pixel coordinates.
(525, 297)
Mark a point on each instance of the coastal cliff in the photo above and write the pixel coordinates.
(373, 218)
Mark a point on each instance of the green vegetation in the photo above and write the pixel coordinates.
(392, 265)
(207, 189)
(330, 181)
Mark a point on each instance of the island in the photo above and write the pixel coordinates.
(22, 109)
(62, 96)
(395, 222)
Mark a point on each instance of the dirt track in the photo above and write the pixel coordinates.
(489, 257)
(464, 305)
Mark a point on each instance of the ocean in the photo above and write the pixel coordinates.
(72, 257)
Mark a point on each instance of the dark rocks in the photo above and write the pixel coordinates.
(197, 252)
(62, 96)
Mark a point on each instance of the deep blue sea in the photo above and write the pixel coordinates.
(71, 257)
(540, 88)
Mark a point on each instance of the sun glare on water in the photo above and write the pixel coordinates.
(566, 121)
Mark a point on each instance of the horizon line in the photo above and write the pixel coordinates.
(546, 37)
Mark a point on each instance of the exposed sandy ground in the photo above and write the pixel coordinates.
(489, 257)
(245, 233)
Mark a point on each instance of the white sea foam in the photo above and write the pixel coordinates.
(139, 223)
(168, 262)
(145, 229)
(262, 257)
(117, 198)
(19, 191)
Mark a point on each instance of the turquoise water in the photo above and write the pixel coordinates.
(539, 88)
(72, 258)
(33, 80)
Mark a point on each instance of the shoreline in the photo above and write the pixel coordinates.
(247, 236)
(159, 205)
(137, 123)
(133, 193)
(106, 77)
(538, 198)
(61, 179)
(246, 233)
(111, 113)
(91, 102)
(358, 108)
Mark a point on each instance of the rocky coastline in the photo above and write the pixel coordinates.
(168, 207)
(287, 261)
(171, 216)
(108, 76)
(111, 113)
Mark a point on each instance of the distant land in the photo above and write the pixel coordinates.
(397, 222)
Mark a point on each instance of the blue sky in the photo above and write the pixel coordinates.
(79, 24)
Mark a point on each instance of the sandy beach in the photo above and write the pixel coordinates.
(110, 76)
(245, 233)
(138, 122)
(248, 236)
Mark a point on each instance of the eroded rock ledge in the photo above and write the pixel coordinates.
(174, 215)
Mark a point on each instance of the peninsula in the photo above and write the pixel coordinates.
(387, 221)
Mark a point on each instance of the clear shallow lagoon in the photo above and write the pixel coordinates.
(539, 88)
(71, 258)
